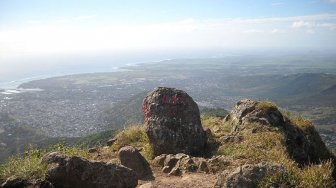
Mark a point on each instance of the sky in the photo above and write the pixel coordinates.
(36, 29)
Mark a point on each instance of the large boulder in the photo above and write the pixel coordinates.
(131, 158)
(173, 122)
(247, 112)
(68, 172)
(302, 147)
(248, 176)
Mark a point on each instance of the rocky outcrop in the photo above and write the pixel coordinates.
(68, 172)
(300, 146)
(173, 122)
(248, 176)
(247, 112)
(131, 158)
(180, 163)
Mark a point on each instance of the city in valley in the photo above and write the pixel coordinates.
(73, 106)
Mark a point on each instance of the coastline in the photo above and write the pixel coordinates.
(15, 84)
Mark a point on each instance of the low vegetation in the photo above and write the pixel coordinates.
(31, 166)
(269, 145)
(134, 135)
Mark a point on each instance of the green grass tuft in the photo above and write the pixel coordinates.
(136, 136)
(30, 166)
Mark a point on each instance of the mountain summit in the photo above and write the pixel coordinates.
(256, 145)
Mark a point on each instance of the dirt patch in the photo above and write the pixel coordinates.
(187, 180)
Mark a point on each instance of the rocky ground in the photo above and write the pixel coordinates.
(256, 145)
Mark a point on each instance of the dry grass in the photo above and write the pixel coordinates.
(269, 145)
(216, 125)
(254, 147)
(30, 165)
(134, 135)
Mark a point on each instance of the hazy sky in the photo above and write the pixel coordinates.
(37, 28)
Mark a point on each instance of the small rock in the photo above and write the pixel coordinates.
(203, 166)
(166, 169)
(111, 141)
(187, 164)
(159, 160)
(146, 185)
(170, 161)
(131, 158)
(176, 171)
(181, 156)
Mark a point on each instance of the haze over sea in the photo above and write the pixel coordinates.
(67, 65)
(51, 66)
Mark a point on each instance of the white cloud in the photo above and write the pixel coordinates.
(332, 1)
(303, 24)
(311, 25)
(188, 33)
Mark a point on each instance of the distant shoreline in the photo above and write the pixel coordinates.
(14, 84)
